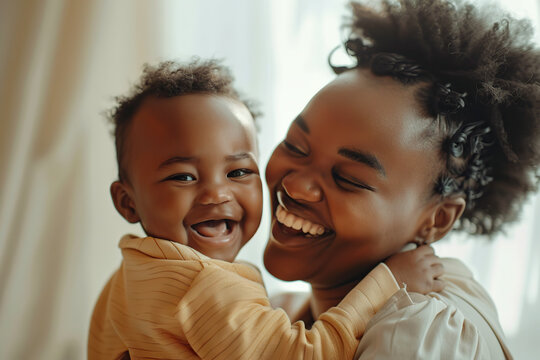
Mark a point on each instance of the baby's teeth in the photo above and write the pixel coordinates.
(306, 227)
(320, 230)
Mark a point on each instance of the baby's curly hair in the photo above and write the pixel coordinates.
(479, 78)
(169, 79)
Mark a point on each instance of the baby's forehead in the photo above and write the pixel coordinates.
(192, 110)
(193, 119)
(188, 106)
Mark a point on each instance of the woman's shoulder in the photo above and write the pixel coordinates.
(460, 322)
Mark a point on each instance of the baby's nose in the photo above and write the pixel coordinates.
(215, 194)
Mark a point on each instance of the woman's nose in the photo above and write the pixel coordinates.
(301, 186)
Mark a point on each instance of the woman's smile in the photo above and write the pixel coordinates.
(299, 216)
(297, 223)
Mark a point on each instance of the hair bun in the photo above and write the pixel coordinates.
(448, 101)
(396, 66)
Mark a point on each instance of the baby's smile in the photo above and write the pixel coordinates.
(213, 228)
(214, 233)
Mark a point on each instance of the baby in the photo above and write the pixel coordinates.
(187, 157)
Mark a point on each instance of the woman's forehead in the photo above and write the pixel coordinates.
(357, 102)
(374, 92)
(372, 116)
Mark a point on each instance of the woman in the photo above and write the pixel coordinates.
(435, 128)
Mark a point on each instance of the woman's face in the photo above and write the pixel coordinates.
(351, 183)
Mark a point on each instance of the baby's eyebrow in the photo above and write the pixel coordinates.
(176, 159)
(363, 157)
(239, 156)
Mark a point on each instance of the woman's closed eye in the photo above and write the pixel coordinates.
(182, 177)
(293, 149)
(350, 184)
(238, 173)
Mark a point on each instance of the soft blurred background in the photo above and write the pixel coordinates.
(61, 63)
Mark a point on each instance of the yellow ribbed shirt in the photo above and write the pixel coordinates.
(168, 301)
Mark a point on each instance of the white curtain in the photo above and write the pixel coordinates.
(62, 61)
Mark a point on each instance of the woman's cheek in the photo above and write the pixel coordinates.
(356, 217)
(277, 167)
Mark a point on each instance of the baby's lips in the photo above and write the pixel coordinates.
(212, 228)
(228, 212)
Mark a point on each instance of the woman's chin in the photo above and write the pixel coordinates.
(285, 265)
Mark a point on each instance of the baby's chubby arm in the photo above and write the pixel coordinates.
(419, 269)
(226, 316)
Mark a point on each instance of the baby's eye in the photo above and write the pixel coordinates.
(350, 184)
(239, 173)
(293, 149)
(181, 177)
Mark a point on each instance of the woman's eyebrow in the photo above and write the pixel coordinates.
(363, 157)
(301, 123)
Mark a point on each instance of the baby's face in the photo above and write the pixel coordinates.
(193, 176)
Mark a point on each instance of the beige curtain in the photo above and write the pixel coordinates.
(59, 65)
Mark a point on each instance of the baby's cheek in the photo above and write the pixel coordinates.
(253, 205)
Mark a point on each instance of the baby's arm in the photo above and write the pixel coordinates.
(225, 316)
(419, 269)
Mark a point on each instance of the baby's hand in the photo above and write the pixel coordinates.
(419, 269)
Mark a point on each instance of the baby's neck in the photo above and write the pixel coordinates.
(323, 299)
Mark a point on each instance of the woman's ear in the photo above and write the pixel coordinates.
(123, 202)
(441, 218)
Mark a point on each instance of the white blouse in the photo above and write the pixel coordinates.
(460, 322)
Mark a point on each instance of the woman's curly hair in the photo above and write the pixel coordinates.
(479, 79)
(169, 79)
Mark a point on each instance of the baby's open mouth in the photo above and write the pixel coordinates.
(302, 225)
(213, 228)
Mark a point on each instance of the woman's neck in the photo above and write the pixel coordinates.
(323, 299)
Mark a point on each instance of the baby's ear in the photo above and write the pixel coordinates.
(441, 218)
(123, 202)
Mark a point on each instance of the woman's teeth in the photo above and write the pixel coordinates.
(298, 223)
